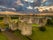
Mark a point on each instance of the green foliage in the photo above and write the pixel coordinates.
(1, 18)
(49, 22)
(42, 29)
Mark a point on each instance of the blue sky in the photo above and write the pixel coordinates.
(12, 4)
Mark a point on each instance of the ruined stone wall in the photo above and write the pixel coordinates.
(24, 23)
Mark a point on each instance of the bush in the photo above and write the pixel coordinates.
(1, 18)
(49, 22)
(42, 29)
(0, 30)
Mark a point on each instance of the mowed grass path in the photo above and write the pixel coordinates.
(39, 35)
(3, 37)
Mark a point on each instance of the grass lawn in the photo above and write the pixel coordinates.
(3, 37)
(47, 35)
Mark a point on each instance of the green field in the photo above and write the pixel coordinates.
(39, 35)
(3, 37)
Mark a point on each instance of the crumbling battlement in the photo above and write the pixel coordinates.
(24, 22)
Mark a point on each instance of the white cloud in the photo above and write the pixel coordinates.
(29, 7)
(29, 1)
(44, 0)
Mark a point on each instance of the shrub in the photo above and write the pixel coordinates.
(49, 22)
(42, 29)
(0, 30)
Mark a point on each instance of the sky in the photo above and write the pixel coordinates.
(12, 2)
(16, 3)
(29, 0)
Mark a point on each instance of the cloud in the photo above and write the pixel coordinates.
(44, 0)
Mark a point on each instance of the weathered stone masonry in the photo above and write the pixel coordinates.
(25, 22)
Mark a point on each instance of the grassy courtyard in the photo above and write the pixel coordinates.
(39, 35)
(3, 37)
